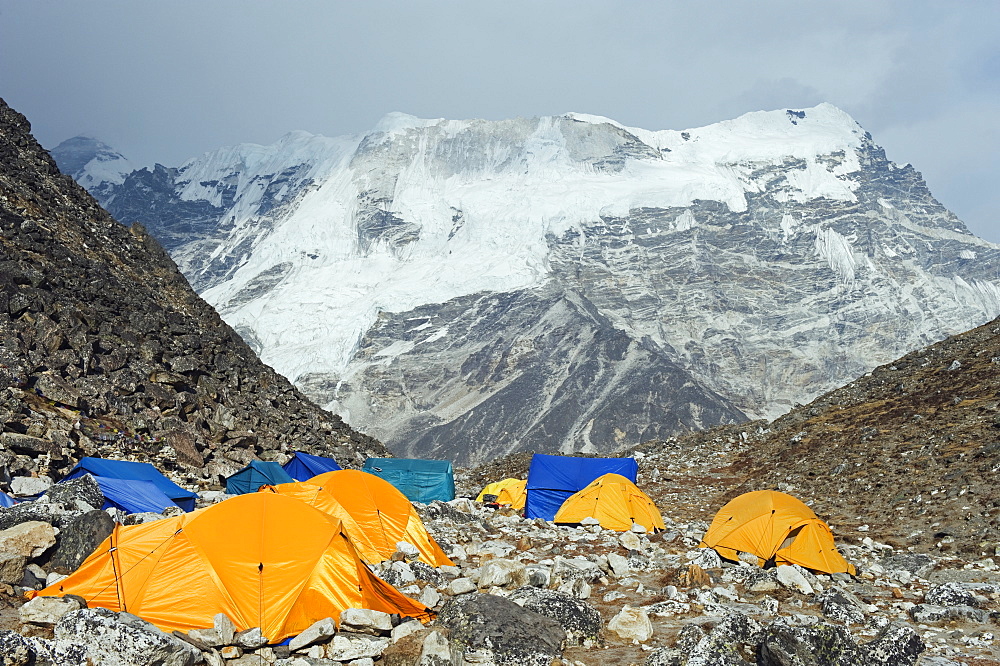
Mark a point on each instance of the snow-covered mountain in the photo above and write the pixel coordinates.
(463, 289)
(93, 164)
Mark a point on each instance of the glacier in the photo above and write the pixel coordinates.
(468, 288)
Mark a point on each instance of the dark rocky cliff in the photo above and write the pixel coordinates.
(105, 350)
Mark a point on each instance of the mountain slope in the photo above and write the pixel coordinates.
(764, 260)
(105, 350)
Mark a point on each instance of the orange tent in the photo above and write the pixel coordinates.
(615, 502)
(382, 516)
(775, 527)
(508, 491)
(262, 559)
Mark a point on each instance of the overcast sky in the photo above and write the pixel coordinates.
(166, 80)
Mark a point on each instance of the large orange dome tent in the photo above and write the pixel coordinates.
(776, 527)
(262, 559)
(382, 515)
(615, 502)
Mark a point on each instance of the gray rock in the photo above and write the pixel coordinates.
(917, 564)
(829, 645)
(15, 650)
(581, 621)
(80, 538)
(348, 647)
(317, 632)
(932, 614)
(959, 594)
(71, 493)
(509, 634)
(26, 486)
(841, 606)
(726, 643)
(121, 639)
(250, 639)
(576, 568)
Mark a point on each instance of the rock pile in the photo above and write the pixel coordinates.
(105, 350)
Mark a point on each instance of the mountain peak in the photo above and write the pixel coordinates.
(91, 162)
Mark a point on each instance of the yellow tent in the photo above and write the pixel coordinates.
(382, 516)
(775, 526)
(262, 559)
(614, 501)
(509, 491)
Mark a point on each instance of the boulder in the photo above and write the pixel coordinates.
(959, 594)
(317, 632)
(47, 611)
(729, 642)
(30, 539)
(349, 647)
(71, 493)
(841, 606)
(632, 624)
(507, 633)
(792, 578)
(917, 564)
(578, 567)
(79, 539)
(824, 644)
(498, 573)
(461, 586)
(12, 568)
(15, 650)
(27, 486)
(122, 639)
(932, 614)
(250, 639)
(364, 621)
(618, 565)
(581, 621)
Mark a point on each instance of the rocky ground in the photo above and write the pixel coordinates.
(529, 592)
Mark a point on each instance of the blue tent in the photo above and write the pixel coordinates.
(132, 496)
(304, 466)
(6, 500)
(551, 479)
(420, 480)
(256, 474)
(134, 471)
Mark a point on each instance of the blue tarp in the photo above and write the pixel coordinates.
(304, 466)
(132, 496)
(6, 500)
(551, 479)
(256, 474)
(420, 480)
(134, 471)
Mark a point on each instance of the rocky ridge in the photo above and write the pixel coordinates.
(105, 350)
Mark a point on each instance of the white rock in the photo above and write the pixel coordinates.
(404, 629)
(29, 539)
(46, 611)
(23, 486)
(632, 624)
(630, 541)
(461, 586)
(619, 564)
(435, 649)
(53, 578)
(365, 621)
(225, 627)
(791, 578)
(498, 573)
(316, 632)
(408, 550)
(590, 520)
(429, 597)
(343, 648)
(638, 529)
